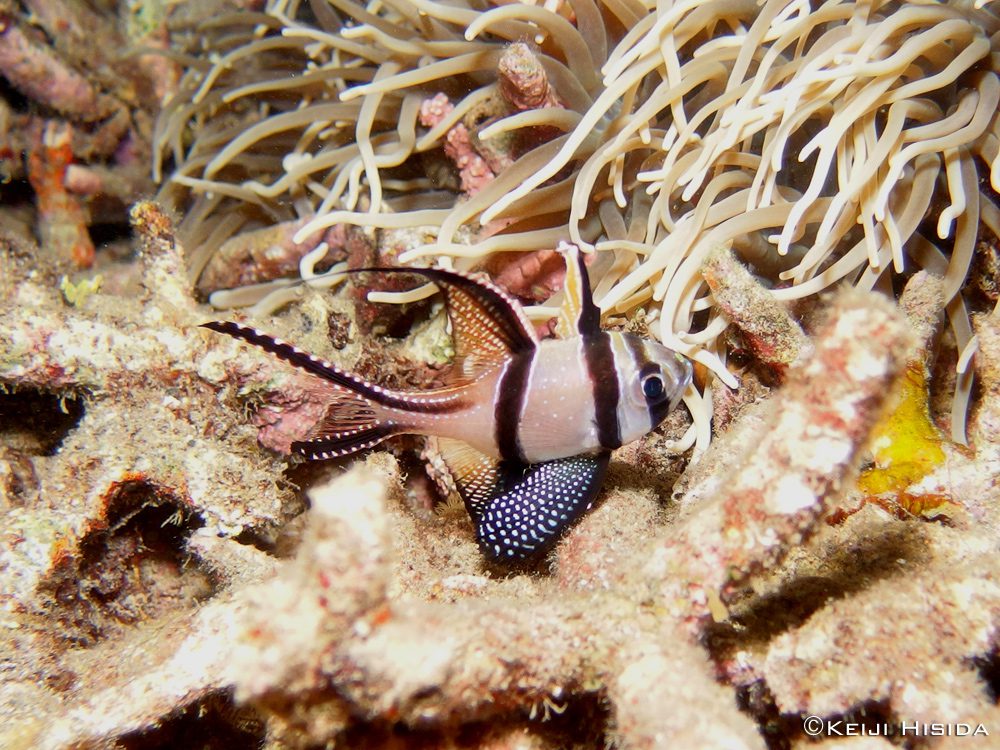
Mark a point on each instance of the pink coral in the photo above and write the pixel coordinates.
(475, 173)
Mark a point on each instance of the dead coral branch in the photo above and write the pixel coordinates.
(32, 68)
(773, 335)
(385, 618)
(740, 522)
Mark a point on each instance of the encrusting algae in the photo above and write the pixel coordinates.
(791, 194)
(906, 445)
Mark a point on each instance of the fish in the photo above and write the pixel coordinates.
(524, 426)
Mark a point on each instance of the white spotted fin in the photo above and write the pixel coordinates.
(521, 510)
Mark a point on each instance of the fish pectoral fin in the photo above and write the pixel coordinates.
(534, 505)
(578, 316)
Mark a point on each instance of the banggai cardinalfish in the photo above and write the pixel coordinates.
(524, 426)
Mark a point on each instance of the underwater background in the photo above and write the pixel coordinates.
(803, 198)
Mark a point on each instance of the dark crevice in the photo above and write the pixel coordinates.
(777, 729)
(131, 570)
(211, 724)
(262, 540)
(572, 723)
(12, 97)
(988, 667)
(108, 233)
(784, 731)
(36, 421)
(13, 192)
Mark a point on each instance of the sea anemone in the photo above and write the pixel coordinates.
(822, 142)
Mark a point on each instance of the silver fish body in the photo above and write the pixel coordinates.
(596, 392)
(564, 398)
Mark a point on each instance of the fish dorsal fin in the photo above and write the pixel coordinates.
(521, 510)
(488, 325)
(579, 316)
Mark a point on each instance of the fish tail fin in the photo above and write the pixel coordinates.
(352, 423)
(354, 419)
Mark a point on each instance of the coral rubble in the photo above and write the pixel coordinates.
(384, 618)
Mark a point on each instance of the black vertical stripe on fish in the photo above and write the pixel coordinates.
(603, 375)
(589, 323)
(657, 408)
(512, 390)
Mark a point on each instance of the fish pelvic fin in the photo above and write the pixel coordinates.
(520, 510)
(535, 504)
(578, 316)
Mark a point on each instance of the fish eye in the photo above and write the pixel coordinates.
(652, 387)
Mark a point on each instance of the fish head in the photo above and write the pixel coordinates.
(652, 382)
